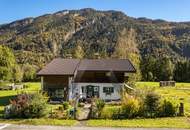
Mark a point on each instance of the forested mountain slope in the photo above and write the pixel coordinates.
(38, 40)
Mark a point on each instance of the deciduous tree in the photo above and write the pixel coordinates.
(7, 63)
(126, 48)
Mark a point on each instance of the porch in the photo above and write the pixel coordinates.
(56, 87)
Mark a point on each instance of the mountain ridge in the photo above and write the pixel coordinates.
(65, 10)
(56, 34)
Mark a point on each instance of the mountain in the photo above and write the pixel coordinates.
(38, 40)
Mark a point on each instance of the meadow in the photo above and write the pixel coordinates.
(171, 122)
(178, 94)
(6, 95)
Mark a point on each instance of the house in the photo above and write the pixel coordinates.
(63, 79)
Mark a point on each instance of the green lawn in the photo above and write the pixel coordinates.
(180, 93)
(156, 84)
(178, 122)
(42, 121)
(6, 95)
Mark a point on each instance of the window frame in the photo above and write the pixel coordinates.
(108, 90)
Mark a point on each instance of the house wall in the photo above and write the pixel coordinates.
(71, 87)
(77, 88)
(56, 82)
(99, 77)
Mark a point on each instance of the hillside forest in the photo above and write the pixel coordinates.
(160, 50)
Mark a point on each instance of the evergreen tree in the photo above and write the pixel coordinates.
(148, 68)
(165, 69)
(182, 71)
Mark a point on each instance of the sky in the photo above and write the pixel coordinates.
(170, 10)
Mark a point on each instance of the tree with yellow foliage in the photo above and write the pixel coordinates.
(126, 48)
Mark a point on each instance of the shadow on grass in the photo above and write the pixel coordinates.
(1, 113)
(5, 100)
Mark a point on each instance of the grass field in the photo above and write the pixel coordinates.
(180, 93)
(177, 122)
(6, 95)
(42, 121)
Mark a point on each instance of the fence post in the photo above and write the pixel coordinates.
(181, 109)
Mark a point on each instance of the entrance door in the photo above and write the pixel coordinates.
(92, 91)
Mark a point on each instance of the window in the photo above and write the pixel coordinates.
(108, 90)
(83, 89)
(56, 93)
(95, 88)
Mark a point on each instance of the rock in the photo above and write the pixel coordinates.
(84, 112)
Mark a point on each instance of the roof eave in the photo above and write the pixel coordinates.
(128, 71)
(54, 74)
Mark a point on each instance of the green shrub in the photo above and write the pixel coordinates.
(65, 105)
(59, 114)
(130, 106)
(27, 106)
(117, 114)
(60, 108)
(37, 106)
(98, 105)
(25, 86)
(168, 109)
(151, 104)
(110, 112)
(114, 103)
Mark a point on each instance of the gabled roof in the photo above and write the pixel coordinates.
(123, 65)
(60, 67)
(69, 66)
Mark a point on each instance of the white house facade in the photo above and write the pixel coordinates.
(63, 79)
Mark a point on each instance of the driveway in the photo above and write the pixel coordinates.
(31, 127)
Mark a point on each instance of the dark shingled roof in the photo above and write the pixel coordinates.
(60, 67)
(106, 65)
(68, 66)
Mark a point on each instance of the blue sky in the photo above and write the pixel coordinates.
(171, 10)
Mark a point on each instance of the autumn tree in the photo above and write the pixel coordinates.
(7, 63)
(78, 52)
(17, 73)
(29, 72)
(126, 48)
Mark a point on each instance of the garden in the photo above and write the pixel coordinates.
(148, 106)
